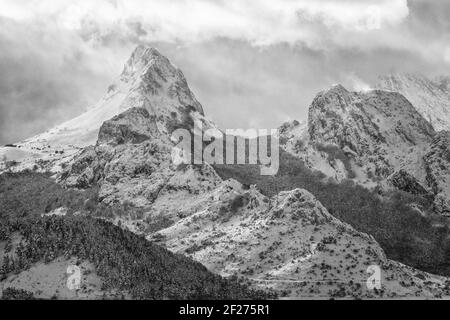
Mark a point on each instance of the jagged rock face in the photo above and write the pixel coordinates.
(154, 74)
(85, 170)
(132, 162)
(430, 98)
(377, 137)
(122, 136)
(366, 122)
(294, 138)
(437, 161)
(135, 125)
(158, 86)
(289, 243)
(375, 132)
(402, 180)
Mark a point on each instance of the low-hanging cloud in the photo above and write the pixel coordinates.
(260, 22)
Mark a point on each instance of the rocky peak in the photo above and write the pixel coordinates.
(363, 135)
(362, 121)
(336, 99)
(153, 76)
(140, 58)
(148, 81)
(376, 138)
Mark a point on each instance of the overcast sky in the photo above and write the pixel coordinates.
(250, 63)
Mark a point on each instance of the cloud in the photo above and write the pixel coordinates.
(263, 21)
(320, 24)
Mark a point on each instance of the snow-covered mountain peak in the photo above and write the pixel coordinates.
(148, 69)
(151, 74)
(140, 61)
(141, 57)
(149, 81)
(338, 116)
(360, 135)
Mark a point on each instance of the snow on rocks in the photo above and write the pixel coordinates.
(289, 243)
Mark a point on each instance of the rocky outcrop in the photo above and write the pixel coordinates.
(402, 180)
(132, 163)
(437, 161)
(366, 123)
(154, 76)
(365, 136)
(134, 126)
(373, 137)
(85, 170)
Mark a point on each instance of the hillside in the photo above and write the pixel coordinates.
(35, 252)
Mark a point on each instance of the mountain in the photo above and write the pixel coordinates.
(430, 98)
(437, 162)
(376, 138)
(361, 135)
(149, 81)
